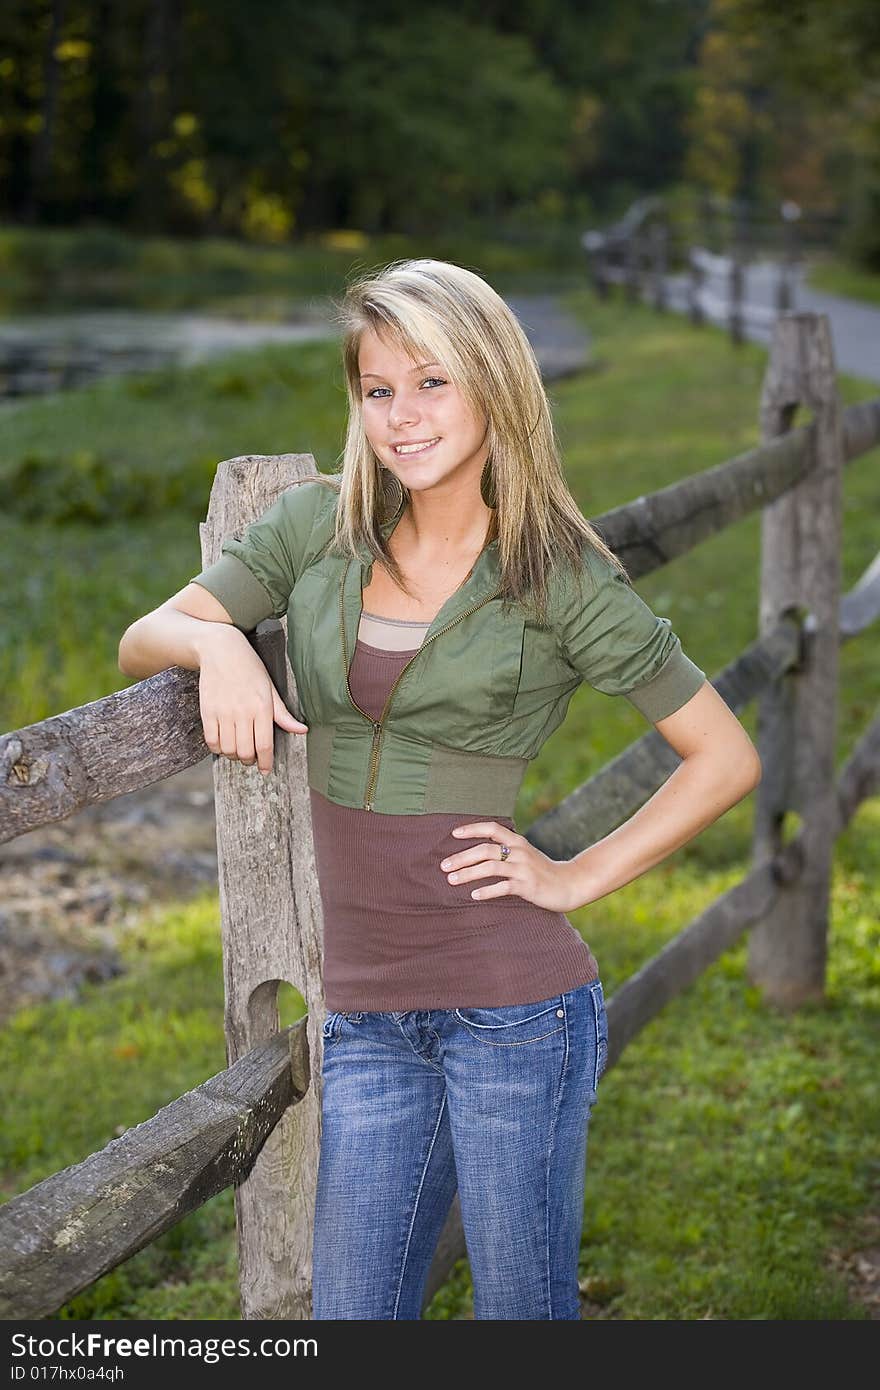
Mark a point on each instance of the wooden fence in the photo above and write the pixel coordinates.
(256, 1125)
(714, 247)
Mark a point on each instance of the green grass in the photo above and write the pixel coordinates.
(733, 1148)
(837, 277)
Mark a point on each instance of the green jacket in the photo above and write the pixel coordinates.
(487, 687)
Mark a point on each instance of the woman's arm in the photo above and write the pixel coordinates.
(720, 765)
(238, 702)
(178, 633)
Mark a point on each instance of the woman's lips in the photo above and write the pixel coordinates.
(415, 453)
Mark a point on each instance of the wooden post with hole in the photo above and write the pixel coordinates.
(797, 715)
(272, 930)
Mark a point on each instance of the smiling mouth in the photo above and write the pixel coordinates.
(405, 451)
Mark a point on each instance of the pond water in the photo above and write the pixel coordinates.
(42, 353)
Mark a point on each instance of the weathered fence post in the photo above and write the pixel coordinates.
(740, 257)
(737, 260)
(272, 930)
(788, 253)
(708, 217)
(659, 236)
(632, 259)
(696, 279)
(736, 287)
(797, 716)
(594, 244)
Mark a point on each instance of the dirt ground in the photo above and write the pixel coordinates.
(70, 889)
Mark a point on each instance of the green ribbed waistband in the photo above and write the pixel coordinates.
(413, 777)
(477, 783)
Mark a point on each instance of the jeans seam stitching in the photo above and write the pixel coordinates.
(514, 1023)
(594, 998)
(416, 1205)
(556, 1106)
(524, 1042)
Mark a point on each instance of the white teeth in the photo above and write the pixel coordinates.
(414, 448)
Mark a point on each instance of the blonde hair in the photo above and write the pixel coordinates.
(436, 311)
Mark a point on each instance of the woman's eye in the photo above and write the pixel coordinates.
(439, 379)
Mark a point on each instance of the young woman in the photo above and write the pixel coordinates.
(445, 596)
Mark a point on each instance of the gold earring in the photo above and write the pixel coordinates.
(487, 485)
(394, 498)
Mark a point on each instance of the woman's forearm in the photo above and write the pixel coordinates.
(699, 791)
(166, 637)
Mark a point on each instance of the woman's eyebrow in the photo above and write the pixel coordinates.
(420, 368)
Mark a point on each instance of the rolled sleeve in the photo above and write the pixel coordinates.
(615, 642)
(245, 599)
(677, 681)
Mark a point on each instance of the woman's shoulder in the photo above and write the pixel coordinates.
(574, 580)
(311, 497)
(302, 513)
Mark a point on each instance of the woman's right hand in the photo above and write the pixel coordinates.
(239, 703)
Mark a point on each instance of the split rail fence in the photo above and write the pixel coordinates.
(700, 264)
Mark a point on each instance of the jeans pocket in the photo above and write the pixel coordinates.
(510, 1025)
(601, 1021)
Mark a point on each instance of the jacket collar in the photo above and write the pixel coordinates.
(481, 583)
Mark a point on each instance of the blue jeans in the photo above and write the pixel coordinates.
(494, 1102)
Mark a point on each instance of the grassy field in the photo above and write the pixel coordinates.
(835, 276)
(100, 265)
(734, 1152)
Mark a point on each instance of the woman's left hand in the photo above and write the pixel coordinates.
(527, 872)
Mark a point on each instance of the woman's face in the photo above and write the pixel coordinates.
(407, 402)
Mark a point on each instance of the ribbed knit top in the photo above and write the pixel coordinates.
(397, 934)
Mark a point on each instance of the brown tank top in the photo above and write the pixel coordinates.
(397, 934)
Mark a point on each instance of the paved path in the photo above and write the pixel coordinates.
(561, 344)
(855, 327)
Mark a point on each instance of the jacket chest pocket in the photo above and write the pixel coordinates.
(508, 635)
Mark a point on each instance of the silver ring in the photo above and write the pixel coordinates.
(505, 851)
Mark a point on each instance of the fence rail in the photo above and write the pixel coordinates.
(256, 1126)
(66, 1231)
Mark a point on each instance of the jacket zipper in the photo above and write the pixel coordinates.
(378, 724)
